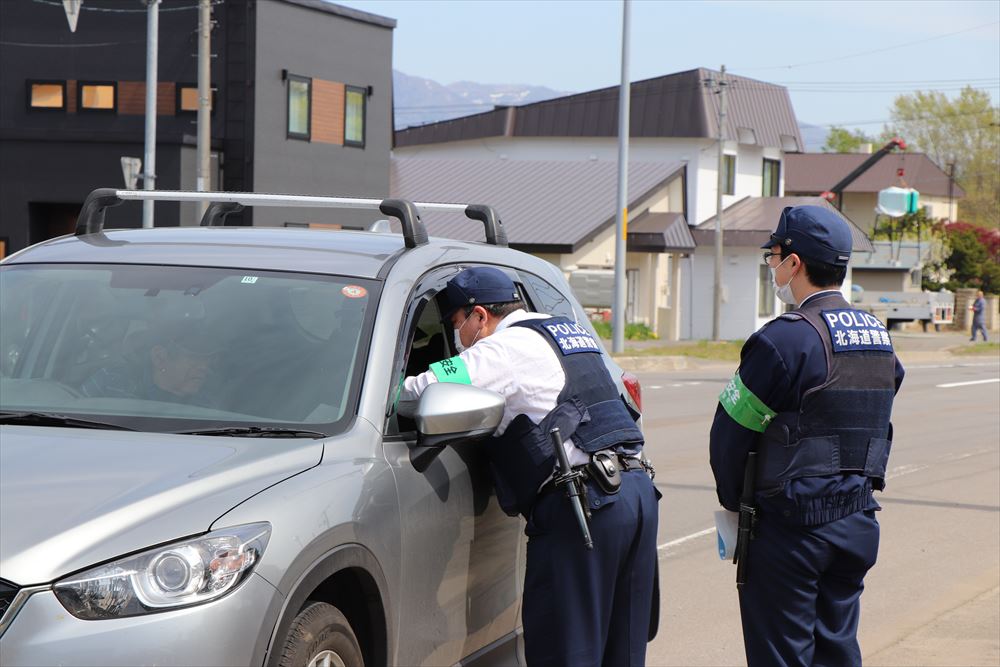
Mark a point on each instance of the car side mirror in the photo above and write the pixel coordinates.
(448, 413)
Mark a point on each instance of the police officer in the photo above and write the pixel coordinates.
(812, 397)
(580, 607)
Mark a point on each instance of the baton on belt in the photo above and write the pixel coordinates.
(571, 479)
(748, 517)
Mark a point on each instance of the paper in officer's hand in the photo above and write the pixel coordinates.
(726, 530)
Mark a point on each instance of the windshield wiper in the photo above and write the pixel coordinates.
(53, 419)
(257, 432)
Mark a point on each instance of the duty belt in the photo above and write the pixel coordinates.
(623, 463)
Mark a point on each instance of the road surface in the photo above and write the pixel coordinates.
(933, 598)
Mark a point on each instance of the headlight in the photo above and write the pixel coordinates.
(176, 575)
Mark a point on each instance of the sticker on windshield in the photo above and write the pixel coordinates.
(354, 291)
(249, 280)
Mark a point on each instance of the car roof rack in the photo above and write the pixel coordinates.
(91, 219)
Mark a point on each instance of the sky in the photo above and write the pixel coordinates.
(843, 62)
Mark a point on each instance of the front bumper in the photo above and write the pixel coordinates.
(233, 630)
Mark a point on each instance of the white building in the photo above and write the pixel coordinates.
(673, 121)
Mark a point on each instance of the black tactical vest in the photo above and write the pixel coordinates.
(842, 426)
(589, 410)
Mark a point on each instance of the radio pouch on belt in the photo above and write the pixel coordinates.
(603, 470)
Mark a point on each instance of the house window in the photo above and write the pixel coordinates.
(772, 172)
(728, 174)
(187, 99)
(47, 95)
(97, 96)
(354, 116)
(765, 293)
(299, 102)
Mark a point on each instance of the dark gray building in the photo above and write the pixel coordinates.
(302, 103)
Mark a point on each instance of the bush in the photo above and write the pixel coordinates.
(632, 331)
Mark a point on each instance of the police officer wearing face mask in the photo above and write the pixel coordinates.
(812, 400)
(580, 607)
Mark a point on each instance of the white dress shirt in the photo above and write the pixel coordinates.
(517, 363)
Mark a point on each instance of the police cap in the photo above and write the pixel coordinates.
(477, 286)
(813, 232)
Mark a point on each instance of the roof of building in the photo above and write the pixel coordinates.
(545, 206)
(345, 12)
(813, 173)
(751, 220)
(676, 105)
(659, 232)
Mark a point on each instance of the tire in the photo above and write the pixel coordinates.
(320, 636)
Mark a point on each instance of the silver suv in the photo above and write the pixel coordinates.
(200, 460)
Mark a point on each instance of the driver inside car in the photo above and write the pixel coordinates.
(173, 369)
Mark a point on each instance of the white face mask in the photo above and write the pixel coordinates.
(458, 337)
(783, 292)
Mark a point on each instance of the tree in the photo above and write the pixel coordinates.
(973, 256)
(840, 140)
(964, 131)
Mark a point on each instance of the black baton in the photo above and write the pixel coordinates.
(748, 516)
(571, 479)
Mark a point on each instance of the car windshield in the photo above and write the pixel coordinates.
(176, 348)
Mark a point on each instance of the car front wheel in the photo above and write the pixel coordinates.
(320, 636)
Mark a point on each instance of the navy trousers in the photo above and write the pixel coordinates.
(589, 608)
(802, 600)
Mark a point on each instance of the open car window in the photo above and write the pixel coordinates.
(164, 348)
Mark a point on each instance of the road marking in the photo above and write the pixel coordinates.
(910, 368)
(965, 384)
(686, 538)
(898, 471)
(656, 386)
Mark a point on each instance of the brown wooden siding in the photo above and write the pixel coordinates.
(166, 98)
(327, 119)
(71, 96)
(132, 98)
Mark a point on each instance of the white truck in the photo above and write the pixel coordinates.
(894, 308)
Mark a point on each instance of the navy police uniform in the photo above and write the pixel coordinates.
(812, 397)
(580, 607)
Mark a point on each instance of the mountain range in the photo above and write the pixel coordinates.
(419, 101)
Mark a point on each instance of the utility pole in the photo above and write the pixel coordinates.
(149, 176)
(717, 295)
(204, 100)
(621, 226)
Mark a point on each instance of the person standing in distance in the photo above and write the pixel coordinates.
(580, 608)
(978, 308)
(813, 398)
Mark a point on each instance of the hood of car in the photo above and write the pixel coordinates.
(73, 498)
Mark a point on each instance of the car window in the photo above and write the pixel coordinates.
(181, 348)
(548, 299)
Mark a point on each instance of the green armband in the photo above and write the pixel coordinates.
(745, 409)
(451, 370)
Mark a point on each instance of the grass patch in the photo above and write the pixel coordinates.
(990, 348)
(726, 350)
(633, 331)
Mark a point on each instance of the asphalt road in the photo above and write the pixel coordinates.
(933, 598)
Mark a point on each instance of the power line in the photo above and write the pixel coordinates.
(112, 10)
(71, 46)
(882, 50)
